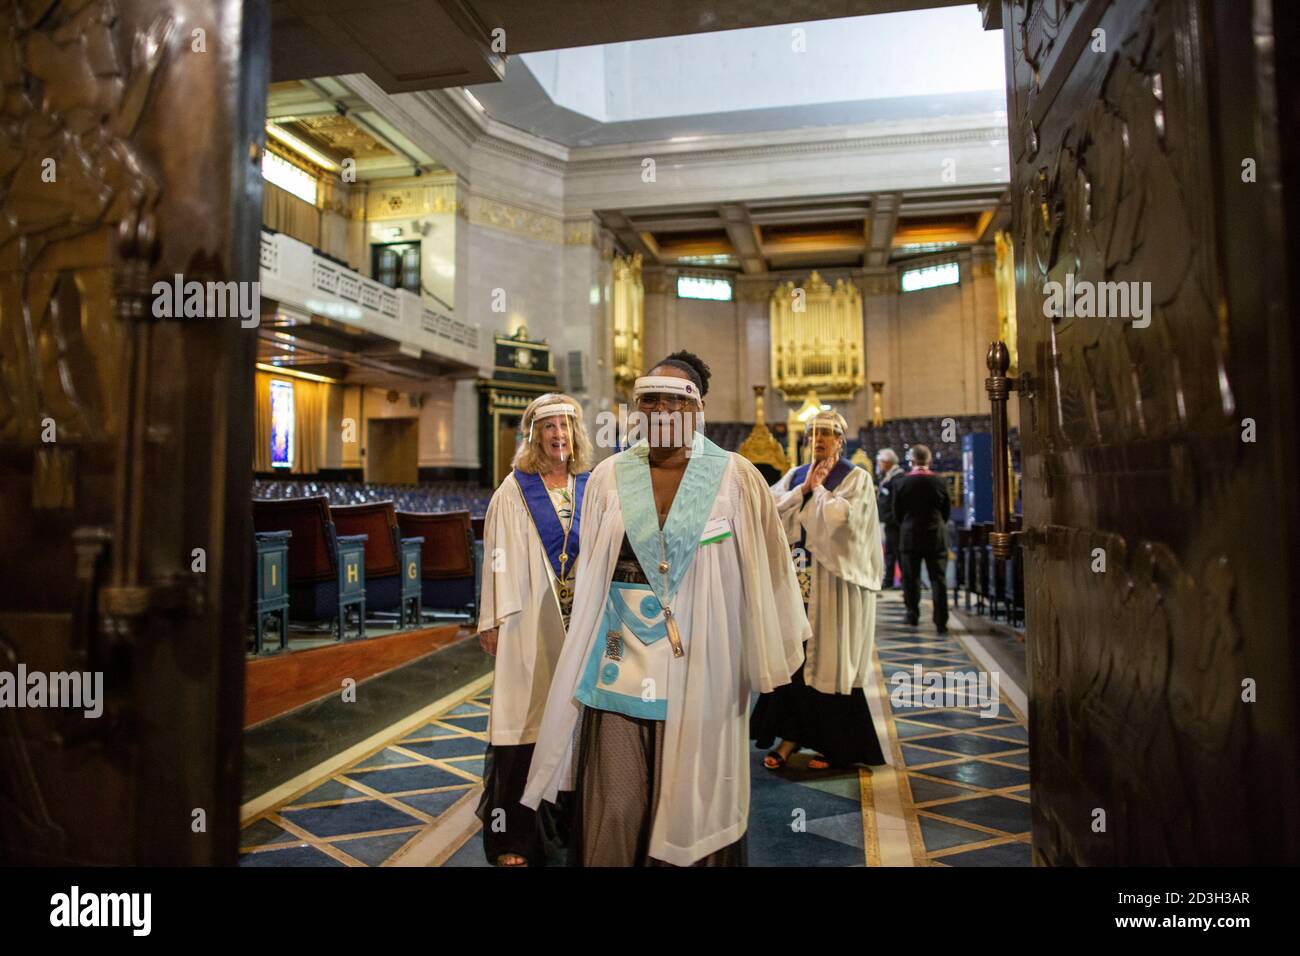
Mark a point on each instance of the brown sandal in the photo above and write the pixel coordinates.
(503, 857)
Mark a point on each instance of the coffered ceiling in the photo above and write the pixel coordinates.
(862, 229)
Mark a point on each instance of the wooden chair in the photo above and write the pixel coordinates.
(314, 565)
(449, 569)
(384, 564)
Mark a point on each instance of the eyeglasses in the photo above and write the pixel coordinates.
(672, 403)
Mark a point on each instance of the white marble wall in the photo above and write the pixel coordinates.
(526, 225)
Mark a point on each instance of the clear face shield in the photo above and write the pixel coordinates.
(823, 437)
(666, 412)
(554, 427)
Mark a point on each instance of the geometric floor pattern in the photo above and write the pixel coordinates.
(962, 775)
(366, 813)
(964, 770)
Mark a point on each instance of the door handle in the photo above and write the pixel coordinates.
(999, 387)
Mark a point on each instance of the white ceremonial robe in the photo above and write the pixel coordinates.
(521, 596)
(843, 543)
(742, 625)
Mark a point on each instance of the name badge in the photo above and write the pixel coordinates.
(715, 531)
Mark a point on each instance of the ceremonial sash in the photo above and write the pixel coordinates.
(838, 473)
(686, 518)
(549, 529)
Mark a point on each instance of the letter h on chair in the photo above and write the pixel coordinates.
(321, 584)
(388, 557)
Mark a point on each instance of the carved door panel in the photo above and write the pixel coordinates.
(132, 136)
(1130, 123)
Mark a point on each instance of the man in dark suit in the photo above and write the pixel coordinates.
(921, 508)
(887, 468)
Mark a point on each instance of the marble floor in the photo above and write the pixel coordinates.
(955, 794)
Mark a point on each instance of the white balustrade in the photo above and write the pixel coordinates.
(293, 272)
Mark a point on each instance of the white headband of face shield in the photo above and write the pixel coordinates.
(549, 411)
(832, 420)
(664, 385)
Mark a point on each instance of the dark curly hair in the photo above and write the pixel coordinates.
(692, 365)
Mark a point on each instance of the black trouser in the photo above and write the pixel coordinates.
(892, 556)
(936, 566)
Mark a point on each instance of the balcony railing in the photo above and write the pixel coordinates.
(294, 273)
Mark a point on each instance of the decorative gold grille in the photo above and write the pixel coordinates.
(627, 303)
(817, 339)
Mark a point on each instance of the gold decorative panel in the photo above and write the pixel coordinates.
(404, 201)
(627, 307)
(1005, 276)
(817, 339)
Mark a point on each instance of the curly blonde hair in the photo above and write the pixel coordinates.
(532, 458)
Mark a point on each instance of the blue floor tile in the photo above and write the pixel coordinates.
(463, 709)
(263, 832)
(422, 777)
(468, 722)
(976, 773)
(435, 804)
(958, 720)
(329, 790)
(967, 744)
(1006, 854)
(938, 835)
(458, 747)
(350, 818)
(430, 730)
(915, 756)
(474, 766)
(384, 758)
(925, 790)
(373, 851)
(471, 854)
(998, 813)
(1012, 731)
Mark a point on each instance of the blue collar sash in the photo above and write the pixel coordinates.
(563, 556)
(838, 473)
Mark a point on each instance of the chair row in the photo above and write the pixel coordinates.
(996, 584)
(433, 497)
(328, 562)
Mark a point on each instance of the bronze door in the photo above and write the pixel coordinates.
(1159, 450)
(133, 137)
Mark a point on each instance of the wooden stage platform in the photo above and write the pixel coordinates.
(277, 684)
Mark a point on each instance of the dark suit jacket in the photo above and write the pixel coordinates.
(885, 503)
(921, 508)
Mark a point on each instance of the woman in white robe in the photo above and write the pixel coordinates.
(828, 509)
(647, 712)
(531, 540)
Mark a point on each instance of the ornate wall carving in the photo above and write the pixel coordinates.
(126, 155)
